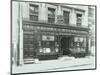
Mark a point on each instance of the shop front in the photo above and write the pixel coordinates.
(46, 41)
(73, 45)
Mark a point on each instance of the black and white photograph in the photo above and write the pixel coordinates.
(52, 37)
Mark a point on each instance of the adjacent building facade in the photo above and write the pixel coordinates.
(92, 24)
(48, 30)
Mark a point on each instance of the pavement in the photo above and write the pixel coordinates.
(60, 64)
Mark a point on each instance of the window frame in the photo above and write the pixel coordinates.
(33, 14)
(54, 14)
(79, 23)
(67, 18)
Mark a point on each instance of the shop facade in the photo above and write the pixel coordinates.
(43, 39)
(48, 31)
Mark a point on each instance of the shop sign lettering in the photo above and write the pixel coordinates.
(47, 38)
(30, 27)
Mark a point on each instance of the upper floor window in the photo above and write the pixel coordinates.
(33, 10)
(79, 19)
(51, 15)
(66, 17)
(91, 11)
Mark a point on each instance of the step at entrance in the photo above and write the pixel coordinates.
(29, 61)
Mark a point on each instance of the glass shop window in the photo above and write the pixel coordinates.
(79, 42)
(47, 44)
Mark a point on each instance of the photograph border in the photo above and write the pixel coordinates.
(52, 71)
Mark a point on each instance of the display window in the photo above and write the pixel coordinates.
(78, 44)
(48, 44)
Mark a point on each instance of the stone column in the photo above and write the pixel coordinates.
(43, 13)
(20, 34)
(72, 19)
(25, 9)
(14, 32)
(59, 18)
(59, 10)
(14, 53)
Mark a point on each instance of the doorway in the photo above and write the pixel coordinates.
(65, 45)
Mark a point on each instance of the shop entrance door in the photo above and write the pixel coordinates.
(65, 44)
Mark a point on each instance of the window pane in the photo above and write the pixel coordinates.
(51, 11)
(33, 17)
(51, 15)
(51, 20)
(33, 12)
(33, 8)
(79, 19)
(66, 17)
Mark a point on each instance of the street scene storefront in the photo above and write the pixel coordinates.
(48, 41)
(51, 37)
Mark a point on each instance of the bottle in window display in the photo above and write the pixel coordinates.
(56, 46)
